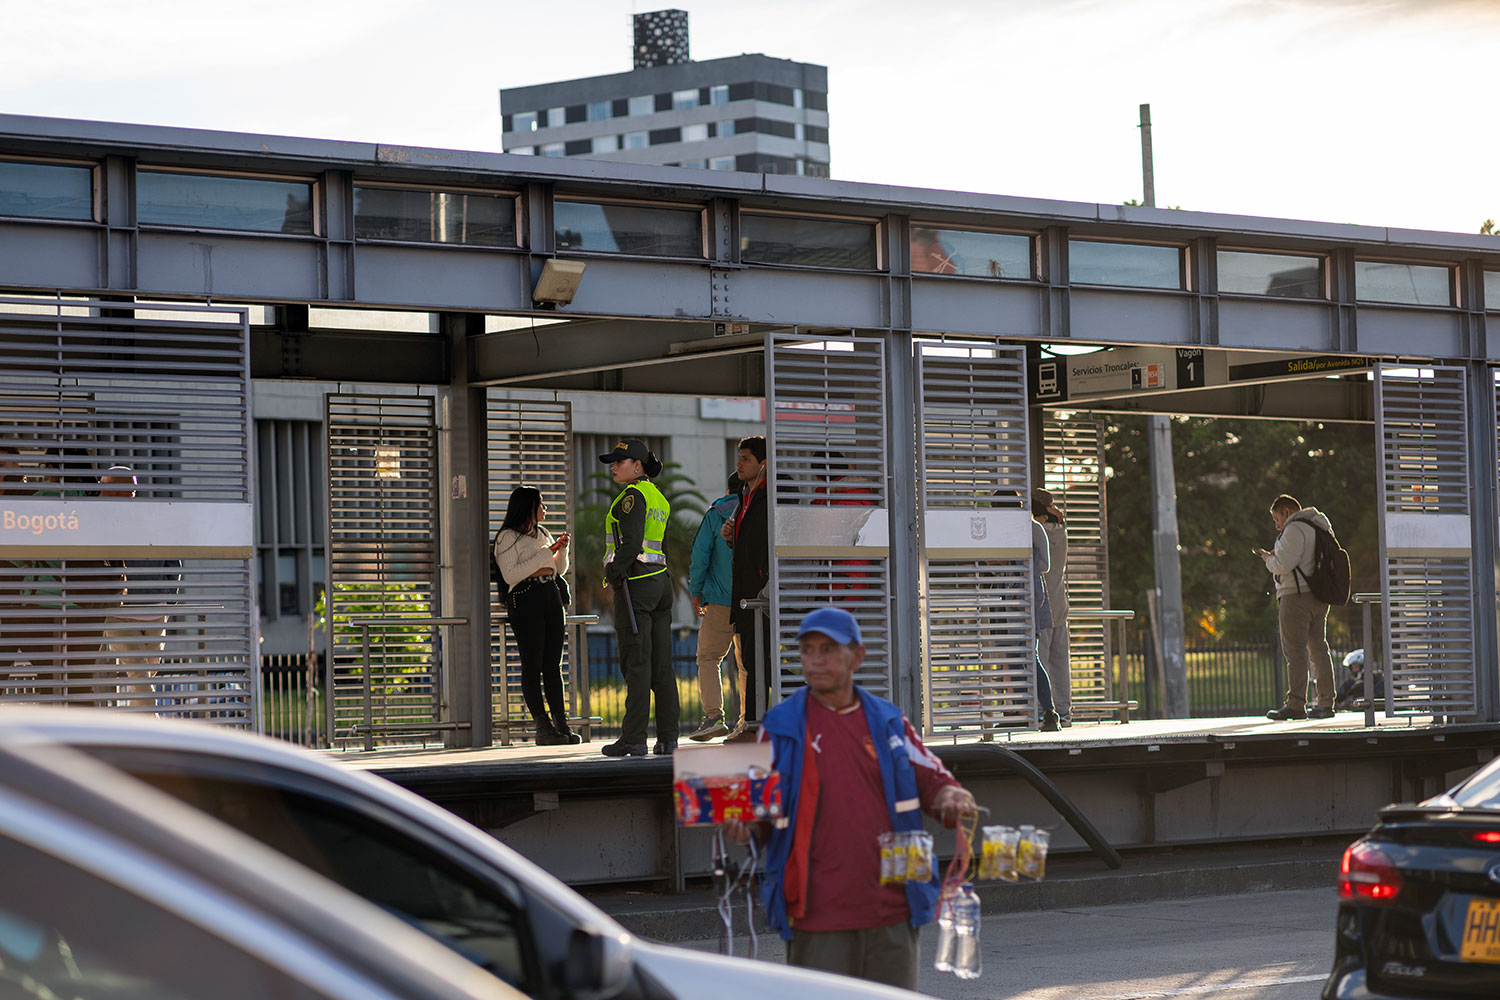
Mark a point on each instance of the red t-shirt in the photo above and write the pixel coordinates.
(843, 883)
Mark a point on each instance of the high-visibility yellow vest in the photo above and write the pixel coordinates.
(653, 549)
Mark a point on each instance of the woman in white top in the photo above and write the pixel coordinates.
(531, 561)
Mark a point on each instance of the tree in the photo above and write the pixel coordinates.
(688, 505)
(1488, 229)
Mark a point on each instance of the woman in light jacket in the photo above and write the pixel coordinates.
(531, 561)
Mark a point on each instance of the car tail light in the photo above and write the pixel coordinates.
(1488, 836)
(1368, 874)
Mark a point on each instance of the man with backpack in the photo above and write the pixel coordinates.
(1301, 614)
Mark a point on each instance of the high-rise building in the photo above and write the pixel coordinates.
(748, 112)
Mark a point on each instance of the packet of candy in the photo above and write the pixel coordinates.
(920, 861)
(1006, 839)
(1031, 854)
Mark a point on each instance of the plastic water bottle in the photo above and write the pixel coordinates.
(966, 964)
(944, 960)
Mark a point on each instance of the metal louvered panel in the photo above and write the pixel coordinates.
(1427, 585)
(133, 595)
(1074, 473)
(529, 444)
(382, 566)
(976, 537)
(829, 520)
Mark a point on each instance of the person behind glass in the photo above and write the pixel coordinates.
(531, 560)
(1052, 643)
(635, 568)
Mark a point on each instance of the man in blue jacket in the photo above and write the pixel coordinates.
(867, 773)
(709, 584)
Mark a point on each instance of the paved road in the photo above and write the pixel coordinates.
(1262, 946)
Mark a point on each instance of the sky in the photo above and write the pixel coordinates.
(1377, 112)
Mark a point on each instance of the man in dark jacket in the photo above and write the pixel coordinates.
(747, 535)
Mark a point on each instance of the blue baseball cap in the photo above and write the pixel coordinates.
(836, 623)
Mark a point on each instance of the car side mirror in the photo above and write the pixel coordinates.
(599, 965)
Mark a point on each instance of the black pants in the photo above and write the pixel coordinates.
(646, 657)
(536, 620)
(753, 634)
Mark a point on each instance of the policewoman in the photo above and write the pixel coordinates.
(635, 568)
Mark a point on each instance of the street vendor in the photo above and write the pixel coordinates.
(867, 773)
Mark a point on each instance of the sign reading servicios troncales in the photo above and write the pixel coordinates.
(38, 528)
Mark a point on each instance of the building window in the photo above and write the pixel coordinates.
(815, 100)
(765, 126)
(211, 202)
(523, 151)
(1407, 284)
(1285, 275)
(682, 100)
(694, 133)
(46, 190)
(636, 140)
(576, 113)
(606, 143)
(469, 218)
(663, 136)
(974, 254)
(725, 128)
(525, 121)
(599, 111)
(699, 164)
(719, 94)
(783, 239)
(578, 147)
(663, 102)
(1134, 265)
(817, 133)
(644, 230)
(1492, 291)
(553, 149)
(721, 163)
(642, 105)
(556, 117)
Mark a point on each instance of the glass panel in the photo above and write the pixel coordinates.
(694, 133)
(633, 229)
(599, 111)
(46, 191)
(636, 140)
(606, 143)
(1292, 277)
(981, 255)
(524, 122)
(263, 206)
(523, 150)
(1492, 291)
(719, 94)
(1134, 264)
(721, 163)
(555, 117)
(684, 99)
(642, 105)
(698, 164)
(1410, 284)
(435, 217)
(552, 149)
(726, 128)
(775, 239)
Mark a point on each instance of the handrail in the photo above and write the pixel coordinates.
(365, 622)
(1367, 601)
(1095, 615)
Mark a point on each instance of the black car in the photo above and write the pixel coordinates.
(1419, 900)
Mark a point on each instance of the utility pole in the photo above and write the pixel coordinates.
(1172, 654)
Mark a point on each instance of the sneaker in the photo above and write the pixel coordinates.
(546, 736)
(1050, 722)
(665, 748)
(1066, 719)
(711, 726)
(1286, 713)
(1317, 712)
(743, 733)
(619, 749)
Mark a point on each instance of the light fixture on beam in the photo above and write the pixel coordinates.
(558, 282)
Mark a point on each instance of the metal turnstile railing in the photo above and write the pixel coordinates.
(1116, 683)
(580, 701)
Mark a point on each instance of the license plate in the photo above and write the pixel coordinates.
(1481, 932)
